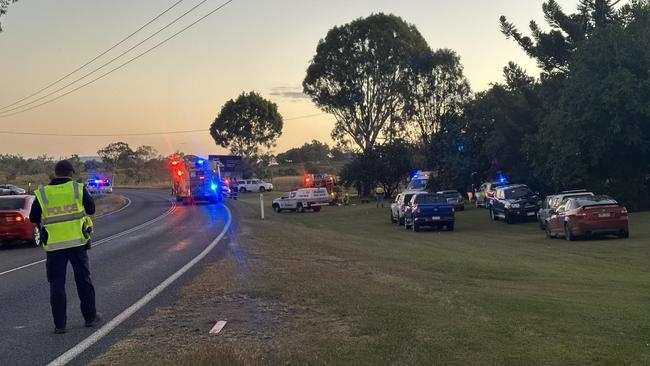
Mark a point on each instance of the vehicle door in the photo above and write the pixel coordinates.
(284, 201)
(292, 201)
(557, 216)
(546, 206)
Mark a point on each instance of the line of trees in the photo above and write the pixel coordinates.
(583, 122)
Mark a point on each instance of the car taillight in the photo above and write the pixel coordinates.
(20, 218)
(624, 212)
(17, 218)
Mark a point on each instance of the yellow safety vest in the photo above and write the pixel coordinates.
(379, 190)
(63, 215)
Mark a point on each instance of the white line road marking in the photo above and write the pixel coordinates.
(108, 327)
(105, 240)
(116, 211)
(218, 327)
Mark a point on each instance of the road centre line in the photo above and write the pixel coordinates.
(105, 240)
(128, 312)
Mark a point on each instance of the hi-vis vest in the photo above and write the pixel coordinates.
(63, 215)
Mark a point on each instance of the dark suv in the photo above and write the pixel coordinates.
(512, 202)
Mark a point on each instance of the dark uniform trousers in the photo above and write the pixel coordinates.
(56, 264)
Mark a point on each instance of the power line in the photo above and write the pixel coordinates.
(94, 59)
(4, 114)
(27, 133)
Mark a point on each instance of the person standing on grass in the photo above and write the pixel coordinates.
(60, 210)
(380, 193)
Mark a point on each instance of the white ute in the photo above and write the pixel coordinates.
(302, 199)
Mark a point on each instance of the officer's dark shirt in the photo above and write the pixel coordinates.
(36, 213)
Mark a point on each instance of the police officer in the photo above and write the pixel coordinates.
(60, 210)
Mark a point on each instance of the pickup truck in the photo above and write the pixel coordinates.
(429, 209)
(302, 199)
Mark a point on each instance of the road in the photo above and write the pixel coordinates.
(139, 248)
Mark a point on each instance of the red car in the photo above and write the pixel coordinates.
(587, 216)
(14, 219)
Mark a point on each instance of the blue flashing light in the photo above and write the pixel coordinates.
(213, 187)
(201, 162)
(97, 181)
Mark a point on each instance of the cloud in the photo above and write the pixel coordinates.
(289, 92)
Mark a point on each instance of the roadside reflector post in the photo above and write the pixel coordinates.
(262, 205)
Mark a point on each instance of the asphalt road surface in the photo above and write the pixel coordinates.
(137, 249)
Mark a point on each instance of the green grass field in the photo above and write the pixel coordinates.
(346, 287)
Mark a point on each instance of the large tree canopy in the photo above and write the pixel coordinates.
(437, 94)
(360, 75)
(553, 49)
(4, 4)
(246, 124)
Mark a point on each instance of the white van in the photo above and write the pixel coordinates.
(302, 199)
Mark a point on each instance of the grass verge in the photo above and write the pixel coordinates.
(345, 287)
(108, 203)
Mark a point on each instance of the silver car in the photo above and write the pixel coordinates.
(10, 189)
(398, 206)
(552, 202)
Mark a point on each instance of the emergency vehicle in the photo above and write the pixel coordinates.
(302, 199)
(195, 179)
(323, 181)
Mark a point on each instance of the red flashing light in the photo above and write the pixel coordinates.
(174, 163)
(180, 172)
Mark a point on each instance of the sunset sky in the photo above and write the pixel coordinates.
(261, 45)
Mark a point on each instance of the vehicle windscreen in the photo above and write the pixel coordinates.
(595, 201)
(430, 199)
(12, 203)
(418, 184)
(519, 192)
(450, 194)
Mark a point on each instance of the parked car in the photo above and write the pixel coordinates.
(486, 192)
(253, 185)
(512, 202)
(399, 205)
(429, 209)
(10, 189)
(302, 199)
(14, 219)
(588, 216)
(454, 198)
(552, 202)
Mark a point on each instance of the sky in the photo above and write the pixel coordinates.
(260, 45)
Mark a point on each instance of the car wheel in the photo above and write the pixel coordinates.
(476, 204)
(415, 227)
(277, 208)
(317, 209)
(624, 234)
(242, 189)
(450, 227)
(392, 218)
(406, 224)
(509, 218)
(262, 189)
(401, 221)
(493, 216)
(568, 235)
(299, 208)
(549, 234)
(36, 240)
(541, 224)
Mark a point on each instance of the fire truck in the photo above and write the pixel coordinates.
(323, 181)
(195, 179)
